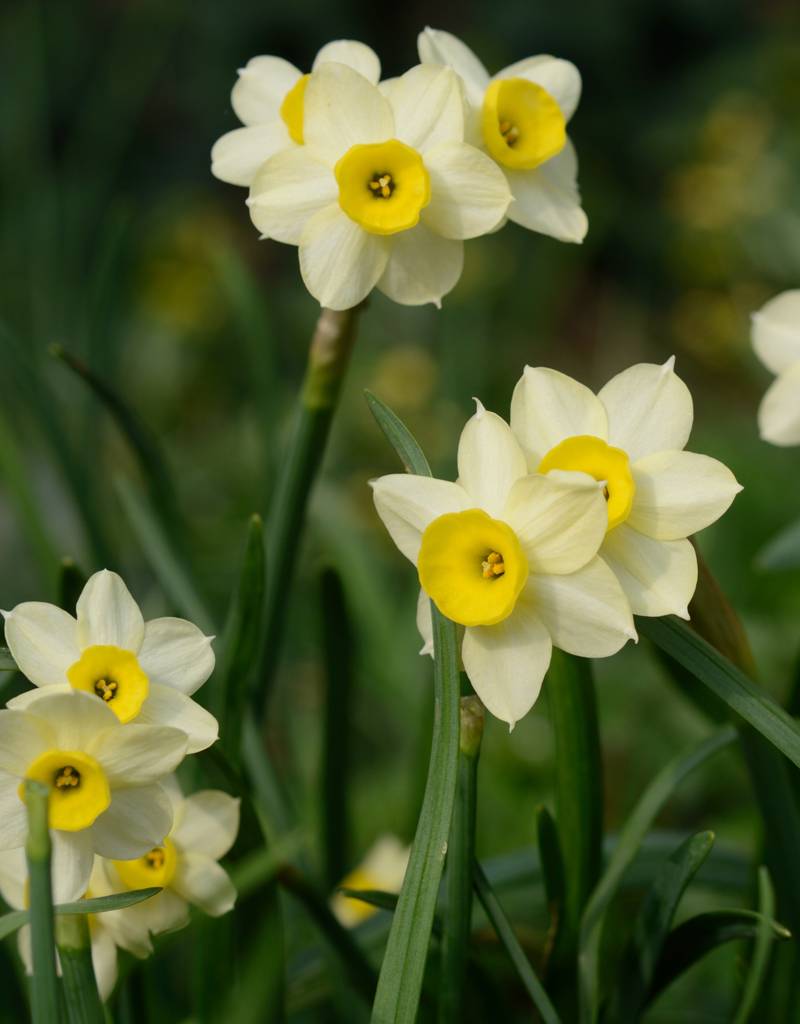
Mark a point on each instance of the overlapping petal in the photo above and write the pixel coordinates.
(12, 813)
(23, 738)
(779, 413)
(166, 706)
(559, 77)
(261, 88)
(407, 504)
(490, 461)
(355, 55)
(547, 198)
(776, 331)
(207, 822)
(176, 653)
(201, 881)
(438, 47)
(288, 191)
(139, 755)
(428, 107)
(43, 640)
(422, 267)
(237, 155)
(469, 193)
(107, 614)
(658, 576)
(138, 819)
(71, 864)
(340, 262)
(343, 109)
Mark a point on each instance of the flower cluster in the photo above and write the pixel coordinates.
(379, 183)
(776, 339)
(561, 526)
(109, 720)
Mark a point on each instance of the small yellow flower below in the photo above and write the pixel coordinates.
(292, 109)
(522, 124)
(383, 186)
(79, 790)
(586, 454)
(156, 867)
(114, 675)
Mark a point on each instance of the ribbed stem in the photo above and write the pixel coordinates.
(44, 990)
(75, 953)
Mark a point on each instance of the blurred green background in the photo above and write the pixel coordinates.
(119, 245)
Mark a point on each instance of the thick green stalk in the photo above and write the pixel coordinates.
(327, 362)
(460, 857)
(75, 952)
(44, 990)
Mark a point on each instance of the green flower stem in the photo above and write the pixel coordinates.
(44, 990)
(460, 855)
(328, 357)
(75, 952)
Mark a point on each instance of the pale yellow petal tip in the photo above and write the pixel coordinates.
(511, 727)
(427, 648)
(480, 408)
(669, 366)
(6, 615)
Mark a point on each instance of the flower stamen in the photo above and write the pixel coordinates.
(155, 858)
(106, 689)
(509, 131)
(67, 777)
(382, 186)
(493, 566)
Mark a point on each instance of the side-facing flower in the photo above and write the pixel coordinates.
(268, 99)
(14, 890)
(384, 190)
(143, 671)
(184, 865)
(103, 778)
(520, 116)
(630, 436)
(383, 867)
(512, 557)
(776, 340)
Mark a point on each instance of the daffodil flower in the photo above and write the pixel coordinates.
(519, 116)
(383, 868)
(268, 99)
(384, 190)
(143, 671)
(512, 558)
(631, 438)
(183, 865)
(776, 340)
(103, 778)
(14, 890)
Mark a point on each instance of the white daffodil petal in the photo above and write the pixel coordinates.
(104, 961)
(201, 881)
(679, 493)
(28, 698)
(340, 262)
(107, 614)
(176, 653)
(559, 77)
(423, 267)
(137, 820)
(438, 47)
(407, 504)
(71, 865)
(237, 155)
(585, 612)
(490, 461)
(560, 519)
(43, 641)
(776, 331)
(342, 109)
(425, 622)
(12, 813)
(547, 407)
(355, 55)
(166, 706)
(658, 576)
(649, 410)
(286, 193)
(75, 718)
(428, 107)
(506, 663)
(13, 876)
(779, 412)
(139, 755)
(207, 822)
(547, 199)
(132, 927)
(469, 192)
(261, 88)
(23, 738)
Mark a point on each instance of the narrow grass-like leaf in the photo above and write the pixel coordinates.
(552, 876)
(9, 923)
(398, 436)
(71, 582)
(630, 839)
(7, 663)
(505, 934)
(81, 998)
(782, 551)
(44, 990)
(761, 949)
(374, 897)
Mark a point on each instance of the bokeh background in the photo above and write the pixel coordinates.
(118, 245)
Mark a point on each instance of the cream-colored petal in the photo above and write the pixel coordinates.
(559, 77)
(408, 503)
(165, 706)
(104, 960)
(107, 614)
(287, 191)
(71, 864)
(585, 612)
(776, 331)
(425, 622)
(469, 192)
(237, 155)
(340, 262)
(547, 407)
(43, 641)
(13, 877)
(201, 881)
(438, 47)
(547, 198)
(422, 267)
(261, 88)
(779, 412)
(490, 461)
(76, 718)
(207, 822)
(679, 493)
(139, 755)
(12, 813)
(506, 663)
(428, 107)
(342, 109)
(649, 410)
(561, 520)
(137, 820)
(176, 653)
(355, 55)
(658, 576)
(23, 737)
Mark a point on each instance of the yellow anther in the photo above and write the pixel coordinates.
(493, 566)
(382, 186)
(106, 688)
(155, 858)
(66, 777)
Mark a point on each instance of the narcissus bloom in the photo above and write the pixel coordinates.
(143, 671)
(630, 437)
(519, 116)
(776, 340)
(184, 865)
(103, 778)
(512, 557)
(268, 99)
(383, 868)
(384, 190)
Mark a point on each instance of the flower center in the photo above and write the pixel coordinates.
(292, 109)
(79, 790)
(155, 868)
(472, 567)
(114, 675)
(522, 124)
(383, 186)
(586, 454)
